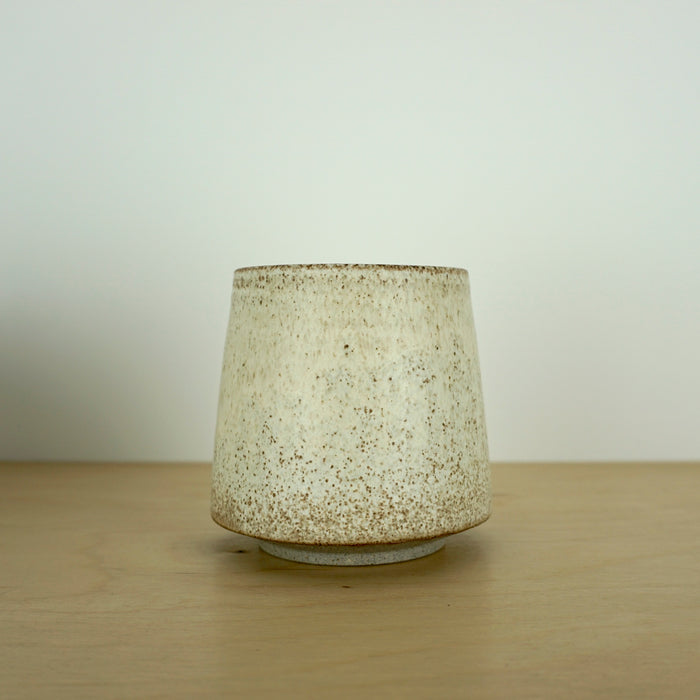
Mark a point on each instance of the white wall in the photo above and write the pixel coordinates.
(149, 148)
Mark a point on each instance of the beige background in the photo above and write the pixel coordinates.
(148, 149)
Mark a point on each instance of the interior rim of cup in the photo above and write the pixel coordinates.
(352, 266)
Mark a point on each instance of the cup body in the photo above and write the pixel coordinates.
(350, 409)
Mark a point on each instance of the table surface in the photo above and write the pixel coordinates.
(115, 583)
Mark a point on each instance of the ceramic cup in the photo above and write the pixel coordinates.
(351, 426)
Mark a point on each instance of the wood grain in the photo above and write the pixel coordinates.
(115, 583)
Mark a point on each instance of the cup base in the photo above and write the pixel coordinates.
(352, 555)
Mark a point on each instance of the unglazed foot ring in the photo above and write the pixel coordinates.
(352, 555)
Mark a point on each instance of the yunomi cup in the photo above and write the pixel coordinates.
(351, 424)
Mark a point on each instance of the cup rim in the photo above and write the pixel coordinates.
(435, 269)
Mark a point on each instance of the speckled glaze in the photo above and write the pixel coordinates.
(350, 410)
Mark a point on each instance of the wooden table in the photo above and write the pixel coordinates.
(115, 583)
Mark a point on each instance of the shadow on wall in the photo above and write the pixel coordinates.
(95, 393)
